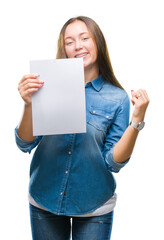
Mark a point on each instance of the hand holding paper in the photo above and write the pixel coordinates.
(28, 85)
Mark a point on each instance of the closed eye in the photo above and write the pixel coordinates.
(85, 38)
(68, 43)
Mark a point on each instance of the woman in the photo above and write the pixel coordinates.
(71, 174)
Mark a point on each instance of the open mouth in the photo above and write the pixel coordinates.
(81, 55)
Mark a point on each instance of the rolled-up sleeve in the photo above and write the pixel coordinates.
(25, 146)
(115, 132)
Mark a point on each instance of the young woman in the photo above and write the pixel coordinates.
(71, 174)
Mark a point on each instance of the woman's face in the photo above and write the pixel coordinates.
(80, 44)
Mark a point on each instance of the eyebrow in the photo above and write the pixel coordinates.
(79, 34)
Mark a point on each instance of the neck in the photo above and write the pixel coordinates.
(90, 74)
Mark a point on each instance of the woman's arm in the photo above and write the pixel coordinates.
(27, 86)
(124, 147)
(25, 126)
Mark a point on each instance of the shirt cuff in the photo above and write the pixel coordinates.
(114, 166)
(25, 146)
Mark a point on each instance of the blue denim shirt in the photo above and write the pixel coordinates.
(71, 174)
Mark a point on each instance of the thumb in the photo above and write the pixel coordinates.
(132, 93)
(133, 97)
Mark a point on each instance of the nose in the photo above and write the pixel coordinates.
(78, 45)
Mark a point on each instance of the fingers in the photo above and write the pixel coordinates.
(27, 79)
(146, 95)
(141, 100)
(133, 100)
(139, 96)
(28, 85)
(29, 76)
(29, 82)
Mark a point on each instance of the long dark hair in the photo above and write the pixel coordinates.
(103, 59)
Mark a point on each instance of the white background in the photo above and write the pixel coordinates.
(134, 33)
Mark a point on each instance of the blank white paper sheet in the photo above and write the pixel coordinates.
(59, 106)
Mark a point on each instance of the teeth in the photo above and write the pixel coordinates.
(81, 55)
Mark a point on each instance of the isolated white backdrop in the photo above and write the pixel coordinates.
(134, 33)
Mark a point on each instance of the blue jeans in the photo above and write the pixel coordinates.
(48, 226)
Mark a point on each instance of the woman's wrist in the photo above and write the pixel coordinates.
(138, 119)
(27, 105)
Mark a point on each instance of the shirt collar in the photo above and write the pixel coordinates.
(97, 83)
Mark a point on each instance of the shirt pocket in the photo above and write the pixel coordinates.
(99, 118)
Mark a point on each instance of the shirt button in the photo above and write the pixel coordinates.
(69, 153)
(61, 193)
(107, 116)
(64, 193)
(66, 171)
(94, 111)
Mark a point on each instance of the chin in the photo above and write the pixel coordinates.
(86, 64)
